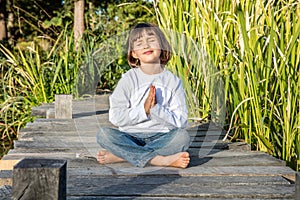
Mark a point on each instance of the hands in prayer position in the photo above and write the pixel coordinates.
(151, 100)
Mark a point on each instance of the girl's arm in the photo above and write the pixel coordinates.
(121, 112)
(176, 114)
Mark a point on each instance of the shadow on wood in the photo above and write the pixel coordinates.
(88, 114)
(205, 142)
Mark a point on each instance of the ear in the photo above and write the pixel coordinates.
(134, 55)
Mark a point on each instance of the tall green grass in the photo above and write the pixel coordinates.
(255, 48)
(33, 72)
(31, 75)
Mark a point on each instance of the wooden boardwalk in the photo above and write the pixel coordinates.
(218, 170)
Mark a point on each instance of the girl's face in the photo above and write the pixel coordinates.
(147, 49)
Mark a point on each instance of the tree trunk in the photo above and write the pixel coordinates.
(10, 20)
(3, 31)
(78, 21)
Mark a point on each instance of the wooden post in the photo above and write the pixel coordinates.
(39, 179)
(63, 106)
(297, 185)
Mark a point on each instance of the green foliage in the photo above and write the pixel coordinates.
(15, 105)
(112, 75)
(28, 17)
(46, 61)
(254, 45)
(190, 62)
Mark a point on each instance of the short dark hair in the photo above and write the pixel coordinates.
(137, 32)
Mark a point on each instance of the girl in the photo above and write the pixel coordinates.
(148, 106)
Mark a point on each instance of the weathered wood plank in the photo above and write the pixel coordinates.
(80, 139)
(39, 179)
(93, 144)
(98, 180)
(201, 136)
(249, 160)
(176, 186)
(297, 186)
(194, 152)
(63, 106)
(91, 120)
(91, 135)
(128, 170)
(154, 198)
(65, 153)
(257, 160)
(185, 191)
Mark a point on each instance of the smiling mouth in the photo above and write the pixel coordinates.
(148, 52)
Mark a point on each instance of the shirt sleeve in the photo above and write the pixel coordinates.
(175, 115)
(121, 112)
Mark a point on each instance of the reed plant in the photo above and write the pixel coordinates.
(33, 72)
(31, 75)
(254, 47)
(14, 105)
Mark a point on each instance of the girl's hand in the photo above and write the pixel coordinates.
(151, 100)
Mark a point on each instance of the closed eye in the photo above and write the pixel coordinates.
(152, 39)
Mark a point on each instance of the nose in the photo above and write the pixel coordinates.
(146, 44)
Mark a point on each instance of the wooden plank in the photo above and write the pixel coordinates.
(297, 186)
(46, 151)
(39, 179)
(50, 127)
(246, 160)
(40, 134)
(60, 154)
(63, 106)
(19, 153)
(176, 186)
(149, 198)
(129, 170)
(98, 180)
(185, 191)
(259, 160)
(41, 110)
(90, 137)
(200, 136)
(94, 144)
(254, 160)
(72, 197)
(61, 127)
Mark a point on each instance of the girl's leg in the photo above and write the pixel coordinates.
(124, 146)
(165, 144)
(171, 149)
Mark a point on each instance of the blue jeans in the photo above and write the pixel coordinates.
(140, 150)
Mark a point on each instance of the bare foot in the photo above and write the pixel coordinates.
(105, 157)
(179, 160)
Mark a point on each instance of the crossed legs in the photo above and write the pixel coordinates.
(166, 150)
